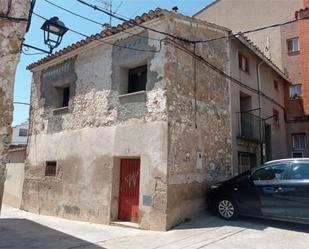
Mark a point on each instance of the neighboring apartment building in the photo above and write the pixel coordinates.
(20, 134)
(286, 45)
(137, 131)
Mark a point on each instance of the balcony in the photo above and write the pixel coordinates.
(250, 127)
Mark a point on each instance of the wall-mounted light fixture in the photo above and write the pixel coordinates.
(54, 29)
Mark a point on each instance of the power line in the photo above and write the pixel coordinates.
(95, 22)
(125, 19)
(131, 21)
(21, 103)
(221, 72)
(250, 31)
(105, 42)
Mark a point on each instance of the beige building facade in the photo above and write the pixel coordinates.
(282, 45)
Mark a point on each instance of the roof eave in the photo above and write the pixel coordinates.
(244, 41)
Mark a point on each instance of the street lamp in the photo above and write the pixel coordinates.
(54, 29)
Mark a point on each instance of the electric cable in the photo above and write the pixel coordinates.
(95, 22)
(105, 42)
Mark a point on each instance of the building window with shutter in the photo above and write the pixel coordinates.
(299, 141)
(243, 63)
(293, 45)
(51, 168)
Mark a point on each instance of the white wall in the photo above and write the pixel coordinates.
(16, 139)
(14, 184)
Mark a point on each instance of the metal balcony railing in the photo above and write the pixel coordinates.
(250, 127)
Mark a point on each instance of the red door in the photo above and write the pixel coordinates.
(129, 189)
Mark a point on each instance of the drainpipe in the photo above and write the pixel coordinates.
(260, 107)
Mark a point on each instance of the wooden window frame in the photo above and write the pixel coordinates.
(291, 52)
(247, 63)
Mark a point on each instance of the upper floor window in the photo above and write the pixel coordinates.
(295, 91)
(243, 63)
(65, 96)
(299, 141)
(137, 79)
(276, 85)
(293, 45)
(23, 132)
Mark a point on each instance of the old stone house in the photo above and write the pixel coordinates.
(286, 45)
(137, 131)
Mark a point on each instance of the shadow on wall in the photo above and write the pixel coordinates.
(22, 233)
(243, 223)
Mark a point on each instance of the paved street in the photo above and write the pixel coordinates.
(22, 230)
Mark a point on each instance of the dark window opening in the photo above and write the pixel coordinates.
(51, 168)
(137, 79)
(276, 85)
(243, 63)
(23, 132)
(66, 96)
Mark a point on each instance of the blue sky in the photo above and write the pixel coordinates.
(34, 37)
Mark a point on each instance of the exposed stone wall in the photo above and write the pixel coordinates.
(100, 125)
(159, 126)
(11, 35)
(199, 126)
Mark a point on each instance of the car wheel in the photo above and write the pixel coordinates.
(227, 209)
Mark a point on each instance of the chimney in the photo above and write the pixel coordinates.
(106, 26)
(303, 28)
(175, 9)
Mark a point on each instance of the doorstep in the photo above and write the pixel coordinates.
(125, 224)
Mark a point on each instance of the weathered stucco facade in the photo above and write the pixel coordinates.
(181, 126)
(180, 130)
(12, 32)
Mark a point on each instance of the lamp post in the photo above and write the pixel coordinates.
(54, 29)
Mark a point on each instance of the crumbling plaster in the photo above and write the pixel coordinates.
(97, 129)
(198, 120)
(103, 124)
